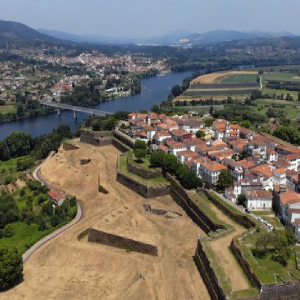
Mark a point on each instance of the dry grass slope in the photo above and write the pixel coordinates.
(66, 268)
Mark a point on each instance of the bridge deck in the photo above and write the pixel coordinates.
(90, 111)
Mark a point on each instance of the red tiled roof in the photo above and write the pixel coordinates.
(56, 195)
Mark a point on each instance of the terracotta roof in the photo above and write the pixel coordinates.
(258, 194)
(174, 144)
(194, 141)
(179, 132)
(163, 148)
(262, 169)
(161, 133)
(290, 197)
(280, 171)
(148, 128)
(235, 126)
(245, 164)
(56, 195)
(213, 166)
(186, 152)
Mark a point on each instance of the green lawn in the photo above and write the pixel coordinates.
(229, 206)
(25, 235)
(204, 204)
(265, 267)
(240, 78)
(262, 212)
(151, 182)
(8, 109)
(273, 221)
(145, 163)
(253, 292)
(270, 217)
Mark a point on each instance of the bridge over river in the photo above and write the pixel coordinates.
(75, 109)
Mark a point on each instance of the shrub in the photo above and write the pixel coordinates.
(11, 267)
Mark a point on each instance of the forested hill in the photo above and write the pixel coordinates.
(13, 33)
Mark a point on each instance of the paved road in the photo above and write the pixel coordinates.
(37, 176)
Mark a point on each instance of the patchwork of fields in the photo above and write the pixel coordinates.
(237, 84)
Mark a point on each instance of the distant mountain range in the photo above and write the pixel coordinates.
(13, 33)
(175, 38)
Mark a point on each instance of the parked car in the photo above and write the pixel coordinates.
(270, 226)
(260, 219)
(247, 211)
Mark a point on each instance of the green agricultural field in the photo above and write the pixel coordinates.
(8, 109)
(280, 76)
(271, 92)
(25, 235)
(294, 68)
(9, 168)
(290, 109)
(240, 78)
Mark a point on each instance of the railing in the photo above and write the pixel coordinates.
(75, 109)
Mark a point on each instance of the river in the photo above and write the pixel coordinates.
(155, 90)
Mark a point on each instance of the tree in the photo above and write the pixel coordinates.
(155, 108)
(140, 153)
(171, 163)
(140, 145)
(260, 72)
(4, 155)
(262, 243)
(18, 144)
(211, 110)
(225, 180)
(157, 159)
(299, 96)
(243, 155)
(208, 122)
(176, 90)
(241, 199)
(290, 235)
(200, 134)
(47, 209)
(282, 251)
(246, 124)
(20, 111)
(11, 267)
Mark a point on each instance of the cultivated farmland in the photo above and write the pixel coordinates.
(219, 86)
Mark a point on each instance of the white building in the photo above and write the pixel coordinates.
(258, 200)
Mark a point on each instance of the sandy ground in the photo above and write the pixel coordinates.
(231, 267)
(66, 268)
(217, 77)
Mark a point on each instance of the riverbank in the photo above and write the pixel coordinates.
(156, 89)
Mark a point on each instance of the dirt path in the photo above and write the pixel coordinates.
(231, 267)
(66, 268)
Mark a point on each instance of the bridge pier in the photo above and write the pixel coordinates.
(74, 114)
(58, 111)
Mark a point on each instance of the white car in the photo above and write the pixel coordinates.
(270, 226)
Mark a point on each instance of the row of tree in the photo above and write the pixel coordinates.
(20, 143)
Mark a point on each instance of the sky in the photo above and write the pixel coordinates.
(149, 18)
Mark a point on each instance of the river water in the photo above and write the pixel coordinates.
(155, 90)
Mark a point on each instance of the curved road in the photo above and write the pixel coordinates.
(37, 176)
